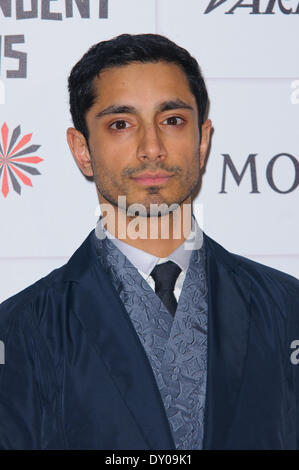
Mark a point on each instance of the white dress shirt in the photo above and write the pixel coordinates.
(145, 262)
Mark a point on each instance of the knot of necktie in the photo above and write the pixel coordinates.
(165, 276)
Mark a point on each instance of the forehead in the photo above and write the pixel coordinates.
(141, 82)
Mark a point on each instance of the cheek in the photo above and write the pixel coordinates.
(113, 153)
(186, 142)
(186, 155)
(103, 156)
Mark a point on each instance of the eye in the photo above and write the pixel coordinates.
(174, 121)
(119, 125)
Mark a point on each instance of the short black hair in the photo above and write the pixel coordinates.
(123, 50)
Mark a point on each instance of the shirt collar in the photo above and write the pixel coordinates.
(146, 262)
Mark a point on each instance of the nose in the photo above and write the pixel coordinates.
(150, 145)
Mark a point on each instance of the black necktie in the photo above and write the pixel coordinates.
(165, 276)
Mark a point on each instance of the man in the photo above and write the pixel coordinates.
(152, 336)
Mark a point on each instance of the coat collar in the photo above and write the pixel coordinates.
(103, 317)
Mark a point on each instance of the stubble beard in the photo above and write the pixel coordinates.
(103, 184)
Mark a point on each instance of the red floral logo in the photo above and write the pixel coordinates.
(12, 161)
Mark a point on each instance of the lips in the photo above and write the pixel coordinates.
(152, 178)
(153, 175)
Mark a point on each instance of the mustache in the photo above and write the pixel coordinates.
(176, 169)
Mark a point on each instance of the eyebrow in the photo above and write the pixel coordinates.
(125, 109)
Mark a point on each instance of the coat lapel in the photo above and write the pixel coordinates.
(228, 328)
(108, 326)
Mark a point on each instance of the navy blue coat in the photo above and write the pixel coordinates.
(76, 375)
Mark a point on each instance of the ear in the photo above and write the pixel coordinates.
(205, 141)
(78, 147)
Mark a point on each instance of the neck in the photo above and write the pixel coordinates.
(158, 236)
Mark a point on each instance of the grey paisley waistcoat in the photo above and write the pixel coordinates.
(176, 347)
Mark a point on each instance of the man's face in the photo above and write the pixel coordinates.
(143, 124)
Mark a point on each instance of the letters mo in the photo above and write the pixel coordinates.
(250, 164)
(2, 355)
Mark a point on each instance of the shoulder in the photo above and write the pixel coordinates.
(18, 311)
(276, 283)
(267, 273)
(45, 294)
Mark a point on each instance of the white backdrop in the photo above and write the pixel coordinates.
(249, 56)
